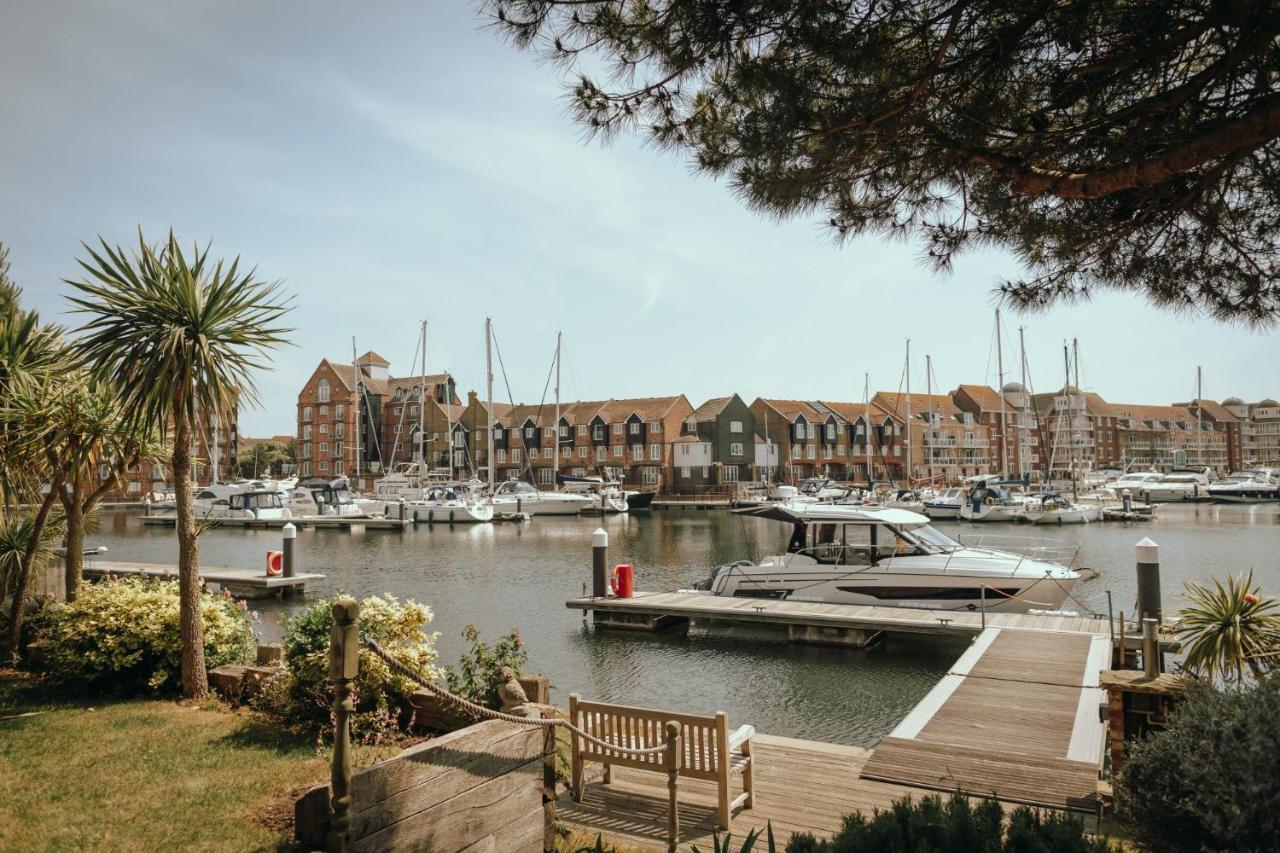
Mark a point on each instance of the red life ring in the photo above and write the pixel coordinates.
(275, 563)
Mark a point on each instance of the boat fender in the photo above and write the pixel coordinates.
(990, 501)
(451, 516)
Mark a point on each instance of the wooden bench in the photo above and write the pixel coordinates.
(707, 749)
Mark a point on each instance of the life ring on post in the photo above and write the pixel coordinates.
(275, 563)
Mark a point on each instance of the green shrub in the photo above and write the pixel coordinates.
(932, 825)
(124, 635)
(476, 676)
(301, 696)
(1209, 782)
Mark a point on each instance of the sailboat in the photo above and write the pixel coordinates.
(519, 496)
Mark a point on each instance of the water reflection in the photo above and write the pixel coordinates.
(507, 576)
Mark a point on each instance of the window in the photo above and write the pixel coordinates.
(735, 427)
(322, 465)
(634, 427)
(637, 452)
(337, 448)
(801, 431)
(582, 430)
(322, 391)
(655, 452)
(617, 450)
(839, 450)
(324, 447)
(582, 453)
(831, 432)
(306, 413)
(795, 451)
(655, 426)
(549, 432)
(810, 452)
(530, 433)
(546, 476)
(735, 449)
(500, 455)
(729, 474)
(397, 429)
(617, 429)
(649, 475)
(399, 410)
(497, 433)
(601, 453)
(306, 432)
(413, 411)
(597, 433)
(306, 449)
(515, 454)
(684, 472)
(564, 431)
(338, 430)
(324, 429)
(324, 411)
(339, 468)
(339, 411)
(306, 469)
(691, 424)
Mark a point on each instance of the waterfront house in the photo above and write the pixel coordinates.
(716, 445)
(794, 425)
(1011, 444)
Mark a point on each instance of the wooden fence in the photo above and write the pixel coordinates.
(483, 789)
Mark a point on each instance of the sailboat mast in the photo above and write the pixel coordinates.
(555, 433)
(488, 378)
(928, 384)
(217, 454)
(908, 371)
(355, 377)
(1004, 441)
(420, 453)
(866, 409)
(1200, 450)
(1026, 403)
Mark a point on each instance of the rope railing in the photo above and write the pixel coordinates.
(488, 713)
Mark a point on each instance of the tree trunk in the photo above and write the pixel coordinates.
(195, 683)
(14, 639)
(75, 539)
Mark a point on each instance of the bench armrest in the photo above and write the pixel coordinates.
(741, 736)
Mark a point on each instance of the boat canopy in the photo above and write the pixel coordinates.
(820, 513)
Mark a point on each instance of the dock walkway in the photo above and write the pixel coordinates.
(247, 583)
(645, 607)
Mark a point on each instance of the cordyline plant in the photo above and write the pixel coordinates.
(1230, 629)
(180, 337)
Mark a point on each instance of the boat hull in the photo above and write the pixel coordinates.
(543, 505)
(446, 514)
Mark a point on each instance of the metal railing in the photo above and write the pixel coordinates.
(1060, 551)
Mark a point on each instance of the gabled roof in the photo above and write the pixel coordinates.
(1153, 413)
(648, 408)
(986, 397)
(410, 383)
(372, 357)
(790, 409)
(347, 375)
(896, 403)
(851, 412)
(1212, 409)
(712, 408)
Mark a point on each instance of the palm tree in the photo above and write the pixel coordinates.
(178, 336)
(1230, 629)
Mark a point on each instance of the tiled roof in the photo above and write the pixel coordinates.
(372, 357)
(985, 396)
(791, 408)
(711, 409)
(648, 408)
(1153, 413)
(852, 411)
(1212, 409)
(896, 403)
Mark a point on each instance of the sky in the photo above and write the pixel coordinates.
(398, 162)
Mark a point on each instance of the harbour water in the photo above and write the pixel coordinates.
(505, 576)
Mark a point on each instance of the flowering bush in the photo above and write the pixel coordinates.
(476, 675)
(124, 635)
(301, 695)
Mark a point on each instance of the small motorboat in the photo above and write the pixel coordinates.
(1057, 508)
(446, 504)
(986, 501)
(945, 505)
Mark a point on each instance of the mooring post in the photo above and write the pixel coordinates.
(983, 588)
(1148, 559)
(289, 535)
(599, 561)
(1150, 649)
(1126, 499)
(344, 666)
(549, 834)
(672, 757)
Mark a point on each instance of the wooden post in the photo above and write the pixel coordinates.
(344, 666)
(673, 777)
(549, 789)
(575, 750)
(722, 771)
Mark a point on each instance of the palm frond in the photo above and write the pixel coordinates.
(1230, 629)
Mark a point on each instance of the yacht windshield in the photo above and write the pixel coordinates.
(933, 537)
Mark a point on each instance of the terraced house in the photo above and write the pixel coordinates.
(812, 440)
(716, 446)
(630, 440)
(873, 433)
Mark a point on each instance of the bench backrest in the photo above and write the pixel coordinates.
(705, 740)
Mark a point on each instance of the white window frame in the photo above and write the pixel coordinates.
(617, 429)
(633, 428)
(637, 452)
(735, 448)
(322, 391)
(655, 452)
(735, 427)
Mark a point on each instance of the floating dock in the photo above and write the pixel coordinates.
(314, 521)
(242, 583)
(814, 622)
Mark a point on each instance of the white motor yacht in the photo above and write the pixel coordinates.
(1134, 481)
(238, 501)
(607, 495)
(451, 504)
(1257, 485)
(519, 496)
(1183, 486)
(945, 505)
(840, 554)
(320, 496)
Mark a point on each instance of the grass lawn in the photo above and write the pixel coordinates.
(143, 775)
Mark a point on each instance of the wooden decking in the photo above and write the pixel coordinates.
(703, 606)
(800, 786)
(1016, 717)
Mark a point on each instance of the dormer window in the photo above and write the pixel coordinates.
(322, 391)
